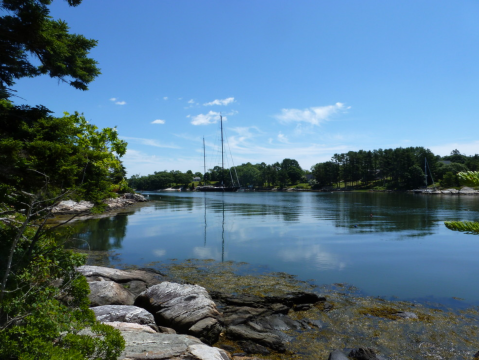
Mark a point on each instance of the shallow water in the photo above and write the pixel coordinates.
(384, 244)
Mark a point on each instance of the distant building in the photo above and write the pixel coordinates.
(445, 162)
(196, 178)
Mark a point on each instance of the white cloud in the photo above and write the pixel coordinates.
(158, 121)
(165, 98)
(149, 142)
(221, 102)
(191, 101)
(117, 102)
(282, 138)
(312, 115)
(159, 252)
(206, 119)
(322, 260)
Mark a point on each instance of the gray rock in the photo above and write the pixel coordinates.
(466, 190)
(119, 276)
(124, 326)
(185, 308)
(167, 346)
(337, 355)
(109, 293)
(136, 197)
(246, 332)
(124, 313)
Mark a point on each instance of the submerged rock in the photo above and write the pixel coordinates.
(256, 334)
(337, 355)
(363, 354)
(186, 308)
(406, 315)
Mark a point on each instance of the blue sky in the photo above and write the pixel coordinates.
(293, 79)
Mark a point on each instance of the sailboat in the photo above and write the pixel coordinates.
(221, 187)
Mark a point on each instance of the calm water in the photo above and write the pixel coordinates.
(403, 250)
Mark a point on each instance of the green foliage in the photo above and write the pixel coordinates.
(27, 31)
(159, 180)
(467, 178)
(466, 226)
(73, 154)
(44, 301)
(450, 180)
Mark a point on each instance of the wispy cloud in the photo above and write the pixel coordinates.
(165, 97)
(312, 115)
(211, 117)
(191, 101)
(158, 121)
(220, 102)
(118, 102)
(149, 142)
(283, 138)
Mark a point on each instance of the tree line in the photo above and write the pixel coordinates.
(399, 168)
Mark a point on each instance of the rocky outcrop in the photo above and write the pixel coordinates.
(258, 324)
(70, 207)
(186, 308)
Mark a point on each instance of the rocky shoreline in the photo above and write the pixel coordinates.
(161, 318)
(70, 210)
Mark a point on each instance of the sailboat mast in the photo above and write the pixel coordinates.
(222, 158)
(204, 161)
(425, 171)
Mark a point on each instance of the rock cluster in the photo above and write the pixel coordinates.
(70, 207)
(165, 320)
(160, 319)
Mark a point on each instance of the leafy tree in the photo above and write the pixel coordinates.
(470, 178)
(44, 159)
(27, 31)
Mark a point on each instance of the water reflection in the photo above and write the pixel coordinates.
(101, 234)
(403, 249)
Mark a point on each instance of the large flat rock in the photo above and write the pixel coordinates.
(142, 345)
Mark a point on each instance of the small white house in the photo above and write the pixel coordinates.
(196, 178)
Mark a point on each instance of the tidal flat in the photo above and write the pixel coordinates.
(347, 319)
